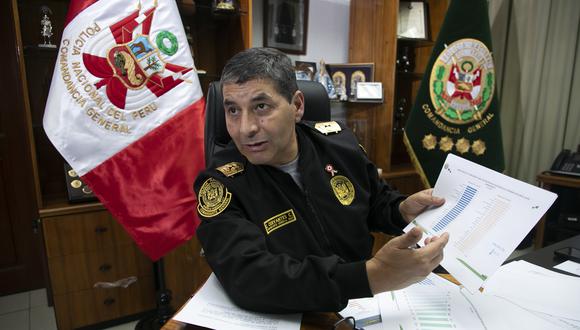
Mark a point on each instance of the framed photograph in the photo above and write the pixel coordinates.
(370, 91)
(286, 25)
(346, 76)
(413, 20)
(305, 70)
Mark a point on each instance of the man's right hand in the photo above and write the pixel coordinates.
(398, 264)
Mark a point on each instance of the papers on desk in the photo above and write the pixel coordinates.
(518, 298)
(570, 267)
(486, 214)
(212, 308)
(548, 294)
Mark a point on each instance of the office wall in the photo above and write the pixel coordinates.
(327, 36)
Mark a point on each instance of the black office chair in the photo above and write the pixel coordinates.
(216, 137)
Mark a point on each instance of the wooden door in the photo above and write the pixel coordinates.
(21, 267)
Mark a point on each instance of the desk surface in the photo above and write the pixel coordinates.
(545, 256)
(313, 321)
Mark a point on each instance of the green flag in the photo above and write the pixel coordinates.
(456, 109)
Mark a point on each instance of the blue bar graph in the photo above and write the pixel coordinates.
(464, 200)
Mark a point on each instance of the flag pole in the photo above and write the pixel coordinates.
(163, 310)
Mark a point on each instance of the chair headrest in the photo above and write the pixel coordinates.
(316, 108)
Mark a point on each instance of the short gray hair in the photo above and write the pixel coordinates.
(262, 63)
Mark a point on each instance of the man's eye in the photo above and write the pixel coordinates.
(262, 107)
(232, 111)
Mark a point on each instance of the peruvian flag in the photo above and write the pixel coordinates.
(126, 111)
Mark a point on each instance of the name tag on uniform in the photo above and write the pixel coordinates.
(279, 220)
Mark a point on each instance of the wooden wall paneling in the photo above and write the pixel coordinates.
(372, 38)
(246, 22)
(21, 267)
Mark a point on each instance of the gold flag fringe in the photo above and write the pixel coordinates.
(415, 161)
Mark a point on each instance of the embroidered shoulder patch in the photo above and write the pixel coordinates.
(279, 220)
(231, 169)
(213, 198)
(343, 189)
(329, 127)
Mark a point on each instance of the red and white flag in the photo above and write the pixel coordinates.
(126, 111)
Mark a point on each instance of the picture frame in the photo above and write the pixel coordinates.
(346, 75)
(413, 20)
(286, 25)
(369, 91)
(305, 70)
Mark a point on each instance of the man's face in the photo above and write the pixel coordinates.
(261, 121)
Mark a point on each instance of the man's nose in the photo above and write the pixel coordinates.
(248, 123)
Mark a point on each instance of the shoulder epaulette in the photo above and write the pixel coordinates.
(231, 169)
(328, 127)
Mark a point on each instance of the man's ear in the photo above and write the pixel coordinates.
(298, 102)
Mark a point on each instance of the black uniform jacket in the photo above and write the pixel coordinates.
(277, 248)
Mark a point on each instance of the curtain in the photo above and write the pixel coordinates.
(536, 50)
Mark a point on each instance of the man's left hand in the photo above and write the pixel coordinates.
(413, 205)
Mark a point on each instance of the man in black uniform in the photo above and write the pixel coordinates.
(287, 208)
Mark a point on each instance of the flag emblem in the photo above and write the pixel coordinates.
(462, 81)
(133, 61)
(126, 111)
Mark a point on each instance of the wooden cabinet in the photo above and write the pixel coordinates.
(373, 38)
(87, 254)
(85, 250)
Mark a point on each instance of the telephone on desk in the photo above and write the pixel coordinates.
(567, 163)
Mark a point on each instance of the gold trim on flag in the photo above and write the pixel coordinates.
(415, 161)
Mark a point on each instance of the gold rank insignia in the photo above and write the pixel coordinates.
(343, 189)
(213, 198)
(231, 169)
(329, 127)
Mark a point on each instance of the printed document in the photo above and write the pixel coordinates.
(212, 308)
(439, 304)
(486, 213)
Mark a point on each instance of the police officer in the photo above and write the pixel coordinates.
(288, 207)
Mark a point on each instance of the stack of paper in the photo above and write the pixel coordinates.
(522, 296)
(212, 308)
(550, 295)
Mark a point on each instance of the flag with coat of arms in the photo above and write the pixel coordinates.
(126, 111)
(456, 109)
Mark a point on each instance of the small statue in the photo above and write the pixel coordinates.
(46, 28)
(324, 78)
(225, 5)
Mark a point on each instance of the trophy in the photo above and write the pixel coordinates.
(405, 60)
(46, 28)
(399, 126)
(224, 7)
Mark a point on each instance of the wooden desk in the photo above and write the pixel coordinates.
(310, 321)
(546, 180)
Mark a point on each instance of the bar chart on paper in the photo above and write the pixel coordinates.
(468, 194)
(428, 310)
(486, 215)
